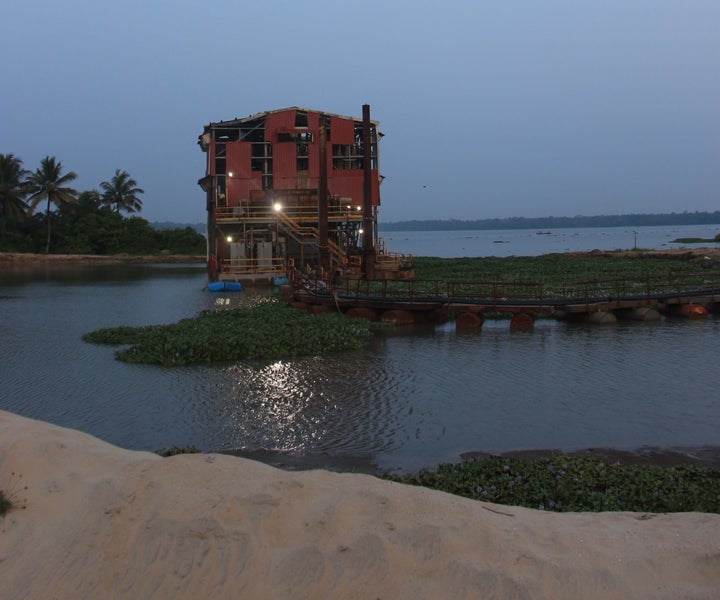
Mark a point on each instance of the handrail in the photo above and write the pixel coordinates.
(308, 234)
(532, 293)
(268, 213)
(292, 220)
(650, 287)
(496, 291)
(393, 261)
(253, 266)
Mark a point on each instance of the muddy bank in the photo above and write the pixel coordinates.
(19, 260)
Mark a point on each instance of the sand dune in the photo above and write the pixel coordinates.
(102, 522)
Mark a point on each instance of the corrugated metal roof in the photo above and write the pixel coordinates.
(239, 121)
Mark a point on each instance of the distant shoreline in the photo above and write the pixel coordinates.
(20, 259)
(546, 223)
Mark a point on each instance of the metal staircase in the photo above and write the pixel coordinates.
(307, 235)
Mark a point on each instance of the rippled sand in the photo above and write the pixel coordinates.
(99, 522)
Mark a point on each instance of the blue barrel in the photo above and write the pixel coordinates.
(224, 286)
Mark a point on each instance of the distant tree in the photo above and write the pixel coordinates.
(13, 189)
(48, 183)
(121, 193)
(86, 228)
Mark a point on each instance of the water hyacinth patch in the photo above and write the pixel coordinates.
(552, 269)
(576, 483)
(561, 274)
(266, 331)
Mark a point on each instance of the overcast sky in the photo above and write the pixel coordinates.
(489, 109)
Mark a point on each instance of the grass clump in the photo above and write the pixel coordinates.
(175, 450)
(5, 504)
(576, 483)
(268, 330)
(9, 497)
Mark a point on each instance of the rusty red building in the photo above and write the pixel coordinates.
(292, 187)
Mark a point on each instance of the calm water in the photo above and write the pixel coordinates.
(415, 398)
(526, 242)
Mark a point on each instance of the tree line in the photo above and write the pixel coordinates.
(72, 222)
(544, 223)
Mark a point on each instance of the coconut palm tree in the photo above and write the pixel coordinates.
(121, 193)
(47, 182)
(12, 188)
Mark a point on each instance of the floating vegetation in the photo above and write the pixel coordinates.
(272, 331)
(555, 270)
(563, 483)
(269, 330)
(572, 275)
(697, 240)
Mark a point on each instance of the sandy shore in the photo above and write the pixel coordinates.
(102, 522)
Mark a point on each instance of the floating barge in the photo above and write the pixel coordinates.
(295, 188)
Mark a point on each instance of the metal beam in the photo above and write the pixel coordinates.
(368, 249)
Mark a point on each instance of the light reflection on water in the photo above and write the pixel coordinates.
(313, 404)
(414, 398)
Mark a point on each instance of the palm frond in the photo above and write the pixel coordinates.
(121, 193)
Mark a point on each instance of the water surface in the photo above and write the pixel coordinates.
(527, 242)
(415, 397)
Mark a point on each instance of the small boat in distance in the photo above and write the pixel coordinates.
(543, 232)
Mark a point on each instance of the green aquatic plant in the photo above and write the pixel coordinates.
(563, 483)
(696, 240)
(575, 274)
(267, 331)
(554, 269)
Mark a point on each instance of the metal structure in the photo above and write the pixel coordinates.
(596, 301)
(295, 189)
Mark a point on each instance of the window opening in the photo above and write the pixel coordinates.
(220, 160)
(301, 118)
(302, 157)
(295, 136)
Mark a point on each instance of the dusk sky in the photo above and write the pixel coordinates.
(489, 109)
